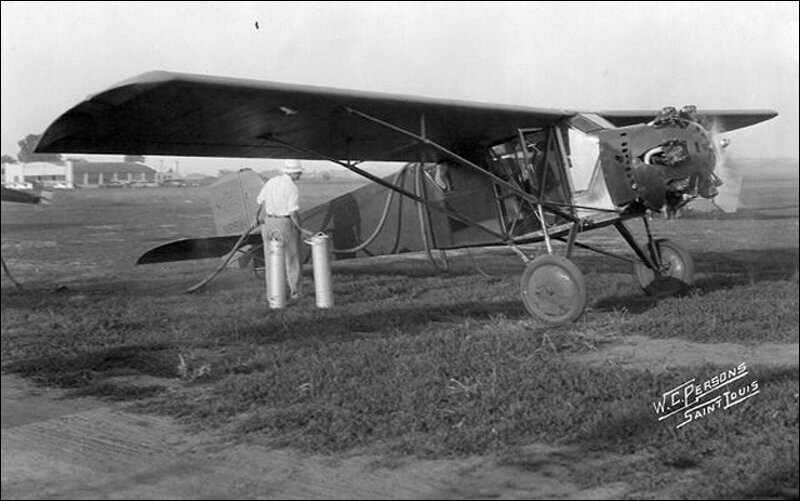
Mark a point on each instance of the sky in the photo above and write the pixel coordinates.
(584, 56)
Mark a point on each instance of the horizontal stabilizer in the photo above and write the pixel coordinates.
(187, 249)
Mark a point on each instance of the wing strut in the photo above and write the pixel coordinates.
(424, 217)
(421, 139)
(352, 167)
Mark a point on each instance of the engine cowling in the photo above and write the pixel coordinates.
(664, 163)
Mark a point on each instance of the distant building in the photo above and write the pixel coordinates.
(79, 174)
(168, 175)
(94, 174)
(44, 173)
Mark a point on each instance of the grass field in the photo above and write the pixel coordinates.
(411, 361)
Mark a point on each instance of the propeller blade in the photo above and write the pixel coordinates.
(727, 199)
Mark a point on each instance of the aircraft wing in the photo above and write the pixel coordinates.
(161, 113)
(716, 120)
(11, 195)
(174, 114)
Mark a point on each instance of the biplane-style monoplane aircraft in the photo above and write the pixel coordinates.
(477, 174)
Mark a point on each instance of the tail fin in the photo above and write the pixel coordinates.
(233, 201)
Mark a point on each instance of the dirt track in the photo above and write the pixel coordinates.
(72, 449)
(640, 352)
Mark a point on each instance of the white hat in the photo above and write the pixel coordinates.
(292, 167)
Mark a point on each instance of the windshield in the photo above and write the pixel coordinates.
(584, 151)
(583, 148)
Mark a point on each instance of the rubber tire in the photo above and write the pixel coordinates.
(553, 289)
(677, 277)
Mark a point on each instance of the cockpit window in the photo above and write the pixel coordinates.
(583, 148)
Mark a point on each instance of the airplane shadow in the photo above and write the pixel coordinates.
(407, 320)
(635, 303)
(411, 267)
(716, 271)
(90, 370)
(93, 366)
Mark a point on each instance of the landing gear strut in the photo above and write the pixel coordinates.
(554, 290)
(675, 270)
(665, 268)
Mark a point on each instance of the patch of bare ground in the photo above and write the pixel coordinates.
(59, 448)
(656, 355)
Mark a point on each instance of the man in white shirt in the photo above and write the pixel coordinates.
(280, 198)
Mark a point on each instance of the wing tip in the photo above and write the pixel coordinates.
(148, 77)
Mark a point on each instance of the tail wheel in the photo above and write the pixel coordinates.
(553, 289)
(676, 271)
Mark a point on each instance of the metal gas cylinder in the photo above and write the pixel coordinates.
(276, 273)
(321, 260)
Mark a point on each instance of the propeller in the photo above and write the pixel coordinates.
(727, 199)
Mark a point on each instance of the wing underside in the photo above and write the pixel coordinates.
(162, 113)
(186, 115)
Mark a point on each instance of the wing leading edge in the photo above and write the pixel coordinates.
(174, 114)
(163, 113)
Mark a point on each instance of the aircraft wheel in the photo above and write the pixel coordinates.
(553, 289)
(676, 275)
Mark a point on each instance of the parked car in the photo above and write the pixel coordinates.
(114, 184)
(143, 184)
(175, 183)
(20, 186)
